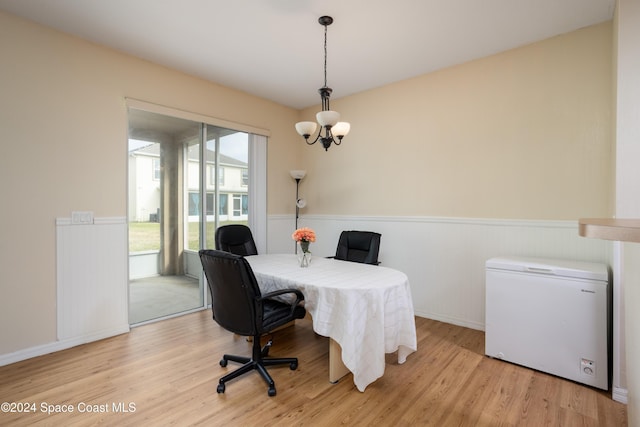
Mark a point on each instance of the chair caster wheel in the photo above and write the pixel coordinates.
(293, 366)
(220, 388)
(272, 392)
(223, 362)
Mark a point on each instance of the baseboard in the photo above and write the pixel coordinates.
(619, 394)
(40, 350)
(452, 320)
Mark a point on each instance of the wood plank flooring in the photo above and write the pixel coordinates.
(166, 373)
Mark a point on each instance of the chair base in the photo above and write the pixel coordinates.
(258, 362)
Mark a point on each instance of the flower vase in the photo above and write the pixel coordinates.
(304, 256)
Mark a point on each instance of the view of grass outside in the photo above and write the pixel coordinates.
(145, 236)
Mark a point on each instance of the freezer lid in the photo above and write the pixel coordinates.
(552, 267)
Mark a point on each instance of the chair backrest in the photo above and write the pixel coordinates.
(237, 239)
(359, 246)
(234, 292)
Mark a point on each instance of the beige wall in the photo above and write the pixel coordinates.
(63, 148)
(525, 134)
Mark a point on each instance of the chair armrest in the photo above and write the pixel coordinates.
(299, 296)
(297, 292)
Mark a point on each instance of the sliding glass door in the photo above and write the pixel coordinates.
(186, 178)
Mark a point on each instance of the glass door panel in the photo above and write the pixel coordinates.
(227, 178)
(164, 272)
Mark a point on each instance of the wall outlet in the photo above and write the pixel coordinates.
(82, 217)
(588, 367)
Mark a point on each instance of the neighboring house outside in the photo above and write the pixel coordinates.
(233, 180)
(144, 184)
(144, 190)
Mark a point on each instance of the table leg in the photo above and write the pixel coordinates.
(337, 369)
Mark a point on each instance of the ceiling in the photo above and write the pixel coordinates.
(274, 48)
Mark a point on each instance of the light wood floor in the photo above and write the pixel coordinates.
(168, 372)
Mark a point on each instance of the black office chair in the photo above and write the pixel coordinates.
(359, 246)
(236, 239)
(239, 307)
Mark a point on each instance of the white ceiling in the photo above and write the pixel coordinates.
(274, 48)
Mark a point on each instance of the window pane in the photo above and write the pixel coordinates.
(194, 204)
(156, 169)
(211, 175)
(210, 204)
(234, 160)
(223, 205)
(245, 204)
(237, 205)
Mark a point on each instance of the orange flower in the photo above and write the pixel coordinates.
(304, 234)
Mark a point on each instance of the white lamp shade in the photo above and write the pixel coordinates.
(301, 203)
(306, 128)
(328, 118)
(341, 129)
(298, 174)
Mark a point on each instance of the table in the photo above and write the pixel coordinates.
(366, 309)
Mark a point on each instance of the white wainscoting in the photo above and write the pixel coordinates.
(91, 279)
(92, 285)
(444, 258)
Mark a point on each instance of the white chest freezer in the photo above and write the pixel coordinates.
(550, 315)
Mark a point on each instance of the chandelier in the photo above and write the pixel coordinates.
(331, 129)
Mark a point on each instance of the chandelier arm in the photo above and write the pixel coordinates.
(337, 141)
(315, 140)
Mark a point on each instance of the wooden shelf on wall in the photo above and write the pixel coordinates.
(624, 230)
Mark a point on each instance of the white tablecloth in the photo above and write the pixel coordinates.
(367, 309)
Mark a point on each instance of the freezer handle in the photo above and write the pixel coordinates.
(540, 270)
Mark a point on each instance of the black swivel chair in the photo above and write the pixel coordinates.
(239, 307)
(237, 239)
(359, 246)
